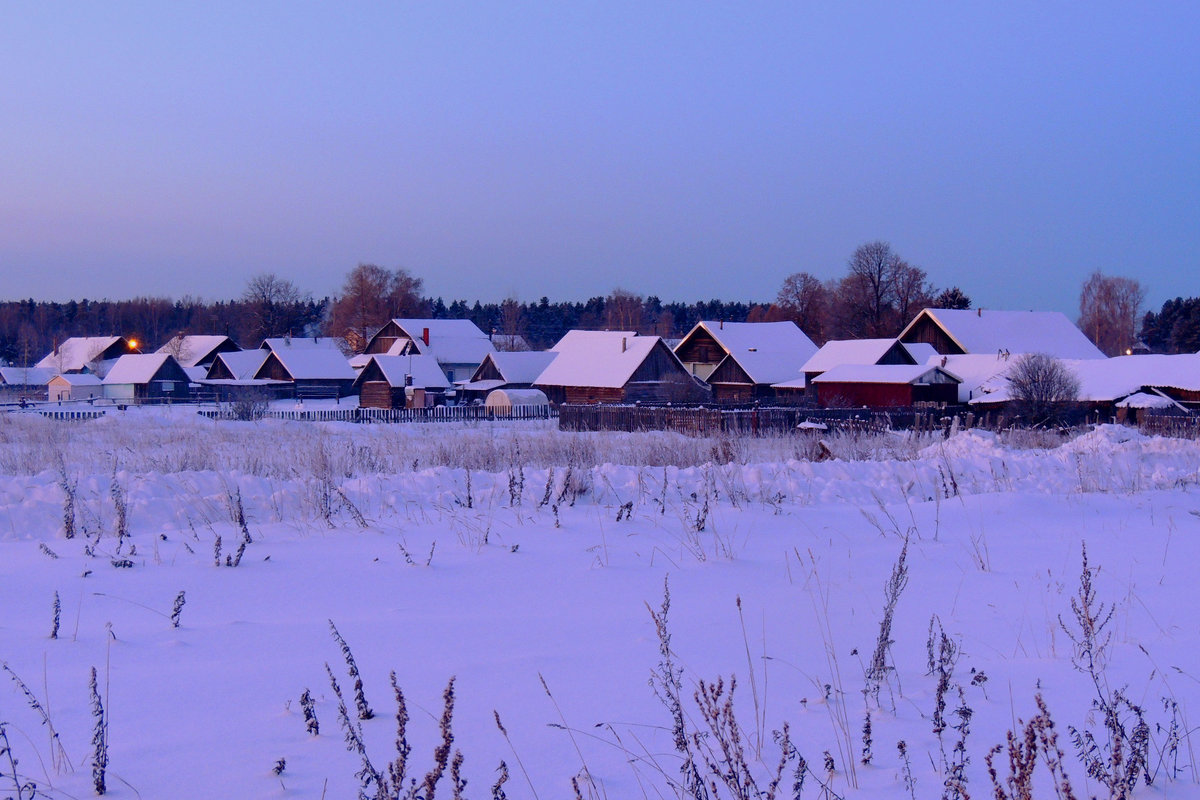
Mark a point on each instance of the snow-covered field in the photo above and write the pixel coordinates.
(529, 565)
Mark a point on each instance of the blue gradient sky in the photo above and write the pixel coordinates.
(689, 150)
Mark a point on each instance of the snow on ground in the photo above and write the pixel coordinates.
(434, 571)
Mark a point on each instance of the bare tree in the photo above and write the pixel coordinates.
(1041, 387)
(1108, 311)
(624, 311)
(370, 297)
(804, 299)
(880, 291)
(273, 304)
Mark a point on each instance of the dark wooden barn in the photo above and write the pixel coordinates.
(885, 386)
(616, 367)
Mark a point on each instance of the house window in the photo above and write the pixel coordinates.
(168, 386)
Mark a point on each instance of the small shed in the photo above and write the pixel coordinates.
(313, 371)
(617, 367)
(885, 386)
(503, 402)
(153, 377)
(24, 382)
(74, 386)
(386, 381)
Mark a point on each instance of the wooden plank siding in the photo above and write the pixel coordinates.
(929, 332)
(700, 353)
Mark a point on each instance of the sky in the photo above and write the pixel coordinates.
(520, 149)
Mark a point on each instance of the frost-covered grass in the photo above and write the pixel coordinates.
(172, 440)
(530, 565)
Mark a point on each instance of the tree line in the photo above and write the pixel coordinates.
(877, 295)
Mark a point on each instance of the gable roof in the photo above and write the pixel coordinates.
(140, 368)
(986, 331)
(601, 359)
(768, 352)
(836, 352)
(522, 366)
(192, 349)
(242, 364)
(426, 373)
(25, 376)
(453, 341)
(310, 364)
(74, 354)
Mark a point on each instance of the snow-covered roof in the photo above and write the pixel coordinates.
(984, 331)
(77, 379)
(312, 363)
(453, 341)
(1147, 400)
(190, 349)
(976, 371)
(425, 371)
(136, 368)
(241, 364)
(836, 352)
(921, 352)
(522, 367)
(279, 343)
(767, 351)
(1110, 379)
(602, 359)
(77, 352)
(880, 373)
(25, 376)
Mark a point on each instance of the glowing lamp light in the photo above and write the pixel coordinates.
(133, 343)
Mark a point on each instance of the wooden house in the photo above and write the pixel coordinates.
(74, 386)
(311, 371)
(400, 382)
(742, 361)
(87, 353)
(153, 377)
(231, 377)
(24, 383)
(506, 370)
(841, 352)
(980, 331)
(457, 344)
(192, 350)
(885, 386)
(616, 367)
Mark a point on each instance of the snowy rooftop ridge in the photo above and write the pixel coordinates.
(603, 359)
(77, 352)
(136, 368)
(453, 341)
(769, 352)
(836, 352)
(982, 331)
(426, 373)
(190, 349)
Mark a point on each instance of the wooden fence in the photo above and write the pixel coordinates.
(708, 421)
(392, 415)
(1171, 425)
(72, 414)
